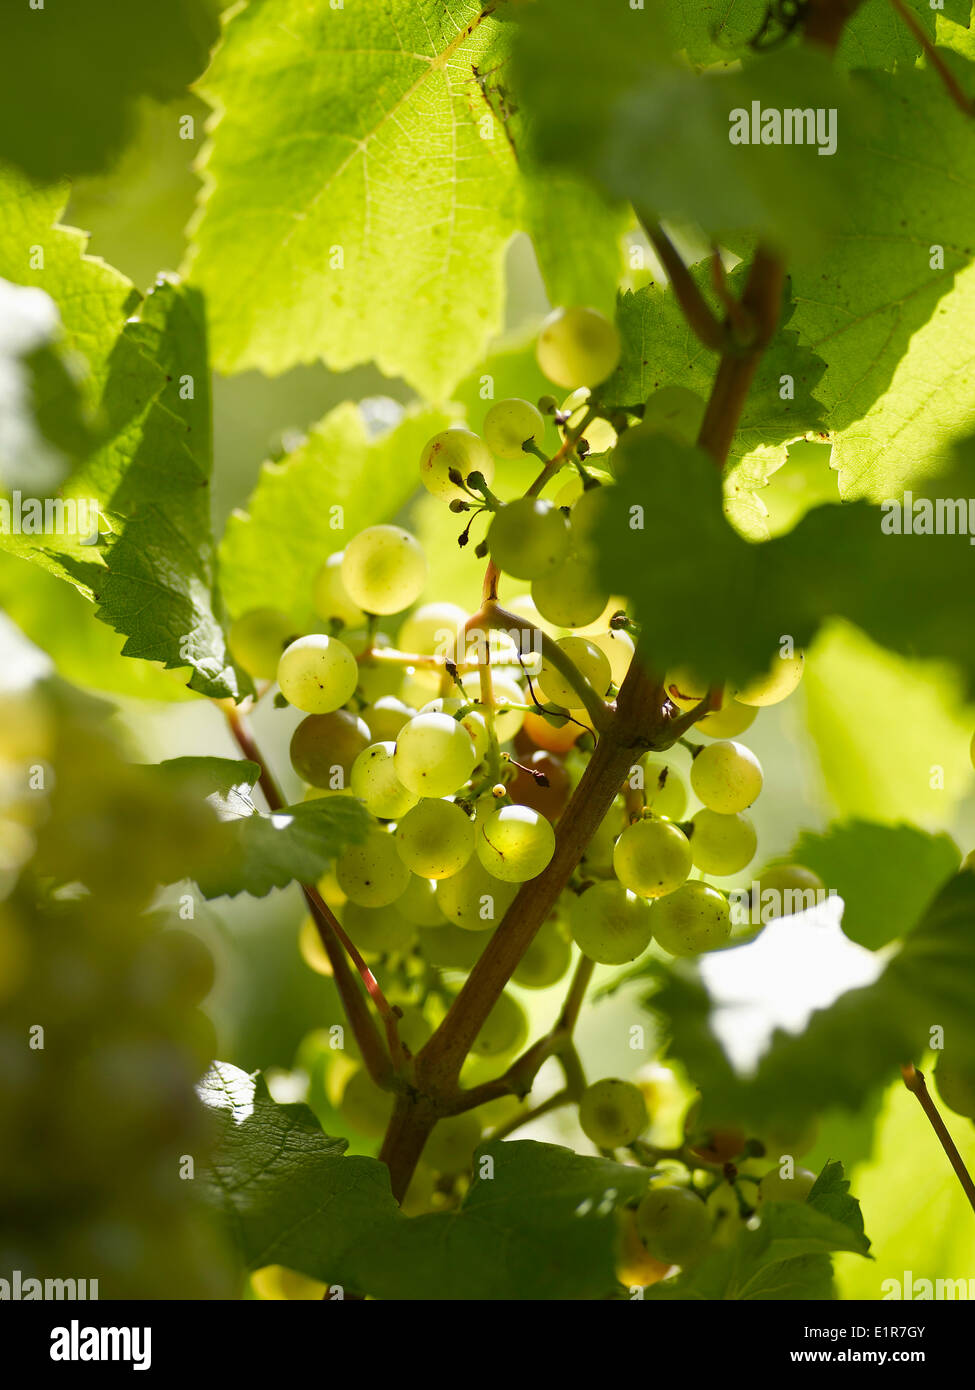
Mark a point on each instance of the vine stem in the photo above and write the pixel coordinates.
(914, 1081)
(378, 1061)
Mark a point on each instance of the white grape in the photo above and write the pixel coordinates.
(454, 449)
(386, 716)
(528, 537)
(570, 595)
(515, 843)
(777, 684)
(691, 920)
(652, 858)
(599, 433)
(377, 929)
(317, 674)
(509, 424)
(331, 598)
(374, 780)
(508, 694)
(384, 569)
(619, 648)
(665, 793)
(435, 839)
(434, 755)
(256, 640)
(721, 844)
(474, 899)
(726, 776)
(612, 1113)
(419, 903)
(372, 873)
(578, 347)
(472, 721)
(729, 721)
(433, 629)
(589, 660)
(609, 924)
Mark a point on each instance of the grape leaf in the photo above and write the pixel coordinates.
(335, 483)
(846, 1050)
(730, 602)
(931, 773)
(715, 31)
(659, 350)
(72, 75)
(786, 1257)
(577, 236)
(885, 874)
(875, 35)
(259, 852)
(210, 777)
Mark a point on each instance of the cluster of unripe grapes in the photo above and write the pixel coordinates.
(465, 734)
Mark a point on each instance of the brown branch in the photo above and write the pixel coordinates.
(914, 1081)
(964, 104)
(695, 308)
(826, 19)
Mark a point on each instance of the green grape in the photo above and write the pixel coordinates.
(726, 776)
(419, 685)
(777, 684)
(507, 693)
(776, 1188)
(676, 412)
(434, 755)
(612, 1113)
(673, 1223)
(589, 661)
(384, 569)
(372, 873)
(609, 924)
(665, 792)
(729, 721)
(378, 929)
(684, 688)
(724, 1210)
(374, 781)
(474, 899)
(618, 646)
(324, 748)
(458, 449)
(692, 919)
(599, 433)
(364, 1106)
(377, 678)
(330, 598)
(419, 904)
(504, 1029)
(720, 844)
(528, 538)
(515, 843)
(578, 347)
(256, 640)
(386, 717)
(584, 518)
(450, 947)
(956, 1084)
(569, 595)
(785, 889)
(523, 606)
(413, 1026)
(317, 674)
(652, 858)
(472, 721)
(546, 960)
(433, 629)
(511, 423)
(450, 1148)
(435, 839)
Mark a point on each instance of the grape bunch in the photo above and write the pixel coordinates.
(464, 734)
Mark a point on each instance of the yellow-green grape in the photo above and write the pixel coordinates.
(589, 660)
(675, 411)
(726, 776)
(450, 947)
(570, 595)
(785, 889)
(472, 721)
(324, 748)
(956, 1084)
(612, 1113)
(378, 929)
(504, 1029)
(724, 1210)
(528, 537)
(523, 606)
(418, 903)
(377, 678)
(652, 858)
(618, 646)
(664, 789)
(684, 688)
(507, 695)
(673, 1223)
(454, 449)
(546, 960)
(578, 347)
(256, 640)
(474, 899)
(515, 843)
(364, 1106)
(691, 920)
(384, 569)
(433, 629)
(510, 424)
(413, 1026)
(776, 1188)
(419, 685)
(386, 717)
(729, 721)
(434, 755)
(584, 517)
(609, 924)
(450, 1148)
(777, 684)
(720, 844)
(275, 1283)
(435, 839)
(374, 781)
(317, 674)
(330, 598)
(570, 492)
(372, 873)
(599, 433)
